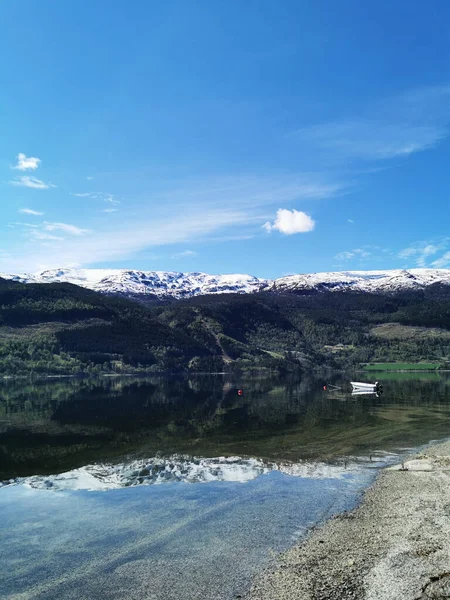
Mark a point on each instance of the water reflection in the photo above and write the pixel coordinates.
(52, 426)
(132, 539)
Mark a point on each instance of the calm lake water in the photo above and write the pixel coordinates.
(179, 489)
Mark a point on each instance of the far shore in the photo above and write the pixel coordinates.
(367, 373)
(395, 546)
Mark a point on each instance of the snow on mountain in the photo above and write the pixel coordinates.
(159, 283)
(177, 468)
(184, 285)
(363, 281)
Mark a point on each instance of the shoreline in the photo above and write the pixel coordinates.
(238, 372)
(393, 546)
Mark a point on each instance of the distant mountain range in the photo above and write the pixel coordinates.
(164, 284)
(300, 322)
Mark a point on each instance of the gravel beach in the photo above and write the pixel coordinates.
(394, 546)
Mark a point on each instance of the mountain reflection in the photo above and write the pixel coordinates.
(50, 426)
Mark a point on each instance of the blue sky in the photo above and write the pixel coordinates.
(256, 136)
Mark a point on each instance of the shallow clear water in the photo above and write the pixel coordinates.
(177, 527)
(168, 541)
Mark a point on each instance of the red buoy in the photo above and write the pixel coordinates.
(240, 392)
(325, 387)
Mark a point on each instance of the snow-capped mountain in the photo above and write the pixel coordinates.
(159, 283)
(363, 281)
(184, 285)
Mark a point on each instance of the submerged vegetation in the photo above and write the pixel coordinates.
(62, 329)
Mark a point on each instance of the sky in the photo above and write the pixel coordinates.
(227, 137)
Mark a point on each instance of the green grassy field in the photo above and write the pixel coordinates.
(409, 375)
(402, 367)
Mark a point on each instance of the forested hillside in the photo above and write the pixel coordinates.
(64, 329)
(338, 329)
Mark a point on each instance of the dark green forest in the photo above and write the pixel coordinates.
(62, 329)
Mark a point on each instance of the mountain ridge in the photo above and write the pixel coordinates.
(175, 284)
(62, 328)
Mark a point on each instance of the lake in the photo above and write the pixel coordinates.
(183, 488)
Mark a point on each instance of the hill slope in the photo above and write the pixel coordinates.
(65, 329)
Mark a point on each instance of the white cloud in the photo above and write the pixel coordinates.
(20, 224)
(290, 222)
(355, 253)
(251, 192)
(185, 254)
(42, 235)
(106, 197)
(421, 252)
(407, 252)
(213, 210)
(344, 255)
(25, 163)
(30, 211)
(72, 229)
(110, 210)
(442, 262)
(231, 238)
(428, 251)
(31, 182)
(126, 238)
(391, 128)
(350, 221)
(372, 140)
(111, 199)
(89, 178)
(45, 231)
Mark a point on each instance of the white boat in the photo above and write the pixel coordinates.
(358, 385)
(363, 392)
